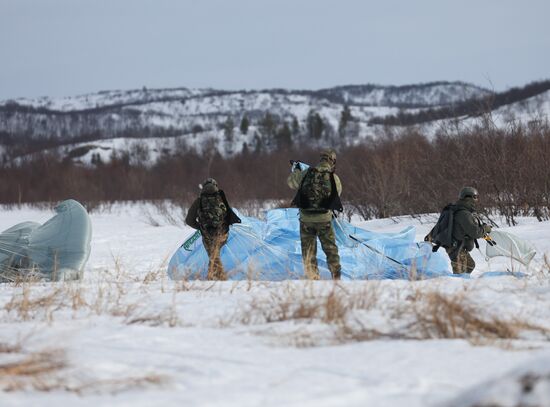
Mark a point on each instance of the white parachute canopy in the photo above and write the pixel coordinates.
(511, 246)
(56, 250)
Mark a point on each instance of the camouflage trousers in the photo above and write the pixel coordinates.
(309, 231)
(213, 243)
(461, 261)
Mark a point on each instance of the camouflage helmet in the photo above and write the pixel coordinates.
(209, 186)
(468, 192)
(328, 155)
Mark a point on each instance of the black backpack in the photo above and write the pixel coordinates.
(442, 233)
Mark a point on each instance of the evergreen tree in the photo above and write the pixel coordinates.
(268, 124)
(96, 159)
(315, 125)
(284, 136)
(295, 127)
(245, 123)
(196, 129)
(345, 118)
(228, 129)
(258, 143)
(245, 150)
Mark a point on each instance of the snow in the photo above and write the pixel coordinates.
(528, 385)
(211, 344)
(533, 110)
(181, 111)
(107, 98)
(431, 94)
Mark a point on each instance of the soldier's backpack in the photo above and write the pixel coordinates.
(317, 192)
(212, 211)
(442, 233)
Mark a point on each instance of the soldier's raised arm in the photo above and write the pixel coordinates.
(295, 178)
(192, 214)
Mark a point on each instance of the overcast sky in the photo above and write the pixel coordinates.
(67, 47)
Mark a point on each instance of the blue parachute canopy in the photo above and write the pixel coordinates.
(56, 250)
(270, 250)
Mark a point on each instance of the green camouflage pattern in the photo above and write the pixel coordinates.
(213, 244)
(467, 227)
(294, 181)
(309, 231)
(461, 262)
(317, 187)
(212, 211)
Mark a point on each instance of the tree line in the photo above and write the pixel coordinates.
(401, 172)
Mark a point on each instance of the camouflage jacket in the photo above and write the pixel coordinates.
(466, 225)
(294, 181)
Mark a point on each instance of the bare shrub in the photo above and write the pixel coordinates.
(149, 218)
(26, 306)
(354, 315)
(168, 316)
(454, 317)
(402, 171)
(172, 212)
(305, 302)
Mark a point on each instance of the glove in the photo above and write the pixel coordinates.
(487, 228)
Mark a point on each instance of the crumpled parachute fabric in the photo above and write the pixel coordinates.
(511, 246)
(270, 250)
(56, 250)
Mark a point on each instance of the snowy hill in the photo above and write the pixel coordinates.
(179, 111)
(202, 119)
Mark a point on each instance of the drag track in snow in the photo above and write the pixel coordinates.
(127, 335)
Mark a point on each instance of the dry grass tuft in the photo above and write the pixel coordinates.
(355, 315)
(26, 306)
(305, 303)
(115, 386)
(10, 348)
(453, 316)
(34, 371)
(35, 364)
(114, 293)
(45, 371)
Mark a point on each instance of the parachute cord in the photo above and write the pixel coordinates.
(483, 255)
(10, 250)
(404, 267)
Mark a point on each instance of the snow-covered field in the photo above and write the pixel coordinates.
(126, 335)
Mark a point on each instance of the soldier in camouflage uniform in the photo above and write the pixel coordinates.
(467, 227)
(318, 194)
(211, 214)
